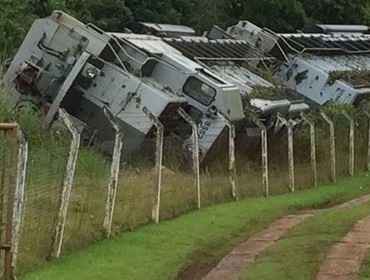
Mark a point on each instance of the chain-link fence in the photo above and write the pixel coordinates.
(361, 141)
(14, 155)
(67, 209)
(47, 162)
(8, 162)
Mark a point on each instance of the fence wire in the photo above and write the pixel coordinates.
(8, 163)
(302, 157)
(47, 160)
(136, 193)
(138, 180)
(278, 161)
(342, 149)
(87, 203)
(361, 142)
(323, 152)
(179, 192)
(249, 165)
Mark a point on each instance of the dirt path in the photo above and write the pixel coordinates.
(354, 202)
(344, 259)
(243, 255)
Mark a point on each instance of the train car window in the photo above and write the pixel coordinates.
(200, 91)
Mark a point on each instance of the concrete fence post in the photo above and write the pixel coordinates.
(114, 173)
(264, 154)
(290, 135)
(19, 194)
(158, 159)
(6, 245)
(67, 183)
(313, 146)
(368, 141)
(332, 145)
(232, 165)
(351, 155)
(15, 203)
(195, 151)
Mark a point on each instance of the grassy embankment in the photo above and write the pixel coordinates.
(365, 268)
(200, 238)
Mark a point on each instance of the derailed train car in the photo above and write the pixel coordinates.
(242, 65)
(65, 63)
(221, 78)
(326, 63)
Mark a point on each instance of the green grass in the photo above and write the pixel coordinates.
(299, 254)
(202, 237)
(365, 268)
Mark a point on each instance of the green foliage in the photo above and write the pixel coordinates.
(279, 15)
(356, 78)
(335, 110)
(205, 14)
(107, 14)
(4, 108)
(16, 16)
(15, 20)
(165, 11)
(338, 11)
(29, 122)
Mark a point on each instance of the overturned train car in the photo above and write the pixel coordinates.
(326, 63)
(65, 63)
(244, 66)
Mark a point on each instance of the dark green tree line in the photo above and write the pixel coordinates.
(16, 16)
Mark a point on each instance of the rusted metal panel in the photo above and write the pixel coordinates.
(115, 168)
(195, 151)
(264, 154)
(158, 159)
(351, 155)
(313, 147)
(67, 184)
(332, 145)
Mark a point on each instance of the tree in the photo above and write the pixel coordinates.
(16, 16)
(206, 13)
(338, 11)
(278, 15)
(39, 7)
(164, 11)
(15, 20)
(106, 14)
